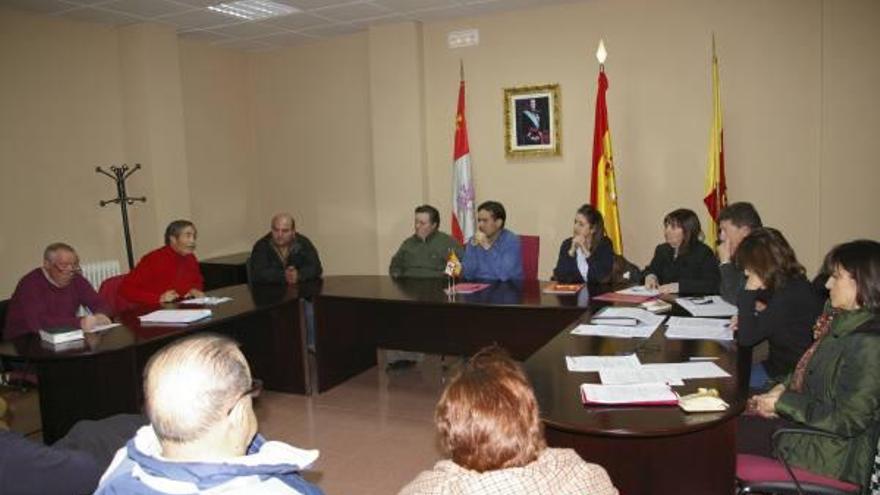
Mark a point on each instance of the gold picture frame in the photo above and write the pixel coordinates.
(531, 121)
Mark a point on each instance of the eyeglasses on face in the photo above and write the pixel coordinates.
(254, 392)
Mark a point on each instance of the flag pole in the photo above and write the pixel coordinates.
(461, 69)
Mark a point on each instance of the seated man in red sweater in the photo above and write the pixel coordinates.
(49, 296)
(168, 273)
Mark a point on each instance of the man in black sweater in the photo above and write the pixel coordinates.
(283, 255)
(736, 221)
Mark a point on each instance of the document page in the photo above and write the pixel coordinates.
(690, 370)
(706, 306)
(698, 328)
(623, 376)
(596, 363)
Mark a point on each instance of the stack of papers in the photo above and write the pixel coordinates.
(708, 306)
(61, 335)
(174, 316)
(598, 363)
(698, 328)
(621, 322)
(206, 301)
(646, 394)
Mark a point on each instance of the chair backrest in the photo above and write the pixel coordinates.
(109, 292)
(4, 306)
(530, 247)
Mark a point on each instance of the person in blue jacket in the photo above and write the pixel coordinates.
(202, 435)
(493, 253)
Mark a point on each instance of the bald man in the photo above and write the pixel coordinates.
(284, 255)
(202, 435)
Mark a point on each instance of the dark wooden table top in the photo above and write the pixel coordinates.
(558, 390)
(228, 259)
(424, 290)
(131, 333)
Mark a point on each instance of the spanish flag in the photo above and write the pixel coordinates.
(716, 184)
(603, 189)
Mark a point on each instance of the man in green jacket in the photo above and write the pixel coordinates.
(424, 254)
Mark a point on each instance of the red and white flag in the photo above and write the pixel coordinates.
(463, 217)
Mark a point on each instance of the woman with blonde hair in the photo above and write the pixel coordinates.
(490, 427)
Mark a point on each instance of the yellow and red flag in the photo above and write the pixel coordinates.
(716, 183)
(463, 214)
(603, 188)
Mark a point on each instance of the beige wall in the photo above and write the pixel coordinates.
(313, 148)
(60, 117)
(346, 133)
(219, 146)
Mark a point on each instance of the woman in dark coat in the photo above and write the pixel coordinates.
(587, 256)
(835, 387)
(778, 304)
(683, 264)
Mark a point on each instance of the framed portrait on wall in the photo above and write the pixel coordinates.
(531, 121)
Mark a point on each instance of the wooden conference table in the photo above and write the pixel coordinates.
(646, 450)
(102, 375)
(356, 314)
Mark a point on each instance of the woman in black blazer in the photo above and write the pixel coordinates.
(587, 256)
(683, 264)
(778, 304)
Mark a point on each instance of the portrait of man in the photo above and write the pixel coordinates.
(532, 121)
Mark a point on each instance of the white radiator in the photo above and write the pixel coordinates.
(100, 271)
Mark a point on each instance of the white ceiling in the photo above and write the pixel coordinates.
(318, 18)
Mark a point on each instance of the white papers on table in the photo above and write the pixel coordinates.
(690, 370)
(175, 316)
(698, 328)
(625, 376)
(646, 323)
(598, 363)
(206, 301)
(707, 306)
(639, 290)
(641, 394)
(101, 328)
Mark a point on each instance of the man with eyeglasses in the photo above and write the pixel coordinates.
(202, 435)
(50, 296)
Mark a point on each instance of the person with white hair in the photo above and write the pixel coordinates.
(50, 296)
(202, 434)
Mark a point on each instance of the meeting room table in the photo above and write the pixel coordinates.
(649, 449)
(102, 374)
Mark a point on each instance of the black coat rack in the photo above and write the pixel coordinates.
(120, 175)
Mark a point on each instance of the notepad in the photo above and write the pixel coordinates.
(61, 335)
(698, 328)
(174, 316)
(644, 394)
(639, 290)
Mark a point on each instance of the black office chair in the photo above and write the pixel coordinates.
(756, 474)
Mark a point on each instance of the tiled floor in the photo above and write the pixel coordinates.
(375, 432)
